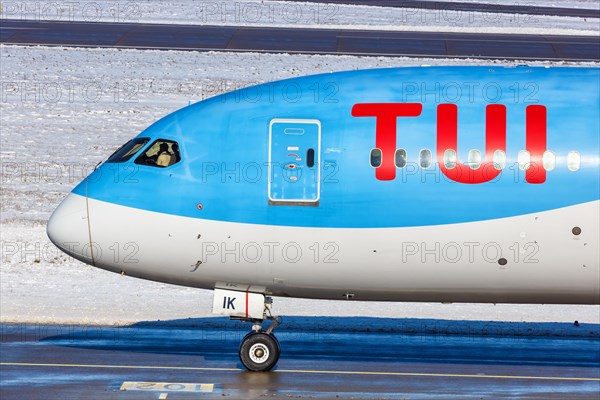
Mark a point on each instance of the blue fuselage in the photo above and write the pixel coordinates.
(225, 150)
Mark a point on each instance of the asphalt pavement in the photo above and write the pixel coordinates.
(301, 41)
(522, 8)
(167, 362)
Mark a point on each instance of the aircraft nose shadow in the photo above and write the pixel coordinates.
(354, 339)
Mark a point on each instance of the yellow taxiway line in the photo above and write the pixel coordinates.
(305, 371)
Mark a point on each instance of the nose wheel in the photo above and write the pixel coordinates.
(259, 351)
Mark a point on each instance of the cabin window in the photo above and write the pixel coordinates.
(499, 160)
(400, 158)
(375, 158)
(524, 160)
(474, 159)
(573, 161)
(548, 160)
(450, 159)
(128, 150)
(425, 158)
(310, 158)
(162, 153)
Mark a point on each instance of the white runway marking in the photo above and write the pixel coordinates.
(168, 387)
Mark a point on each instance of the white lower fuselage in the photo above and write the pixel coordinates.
(533, 258)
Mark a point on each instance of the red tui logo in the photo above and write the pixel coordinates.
(447, 137)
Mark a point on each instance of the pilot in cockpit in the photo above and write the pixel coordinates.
(164, 157)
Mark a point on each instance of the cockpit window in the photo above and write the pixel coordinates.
(162, 153)
(128, 150)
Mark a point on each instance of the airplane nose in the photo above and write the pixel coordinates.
(68, 228)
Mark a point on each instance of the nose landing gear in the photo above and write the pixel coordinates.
(259, 351)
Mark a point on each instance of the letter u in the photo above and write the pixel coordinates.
(447, 138)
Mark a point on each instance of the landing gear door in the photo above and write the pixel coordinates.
(294, 161)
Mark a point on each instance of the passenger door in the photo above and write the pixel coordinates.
(294, 161)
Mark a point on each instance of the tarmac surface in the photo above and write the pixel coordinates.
(301, 41)
(201, 362)
(529, 8)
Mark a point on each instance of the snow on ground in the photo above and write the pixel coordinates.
(585, 4)
(303, 15)
(62, 110)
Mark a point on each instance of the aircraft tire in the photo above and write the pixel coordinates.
(259, 351)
